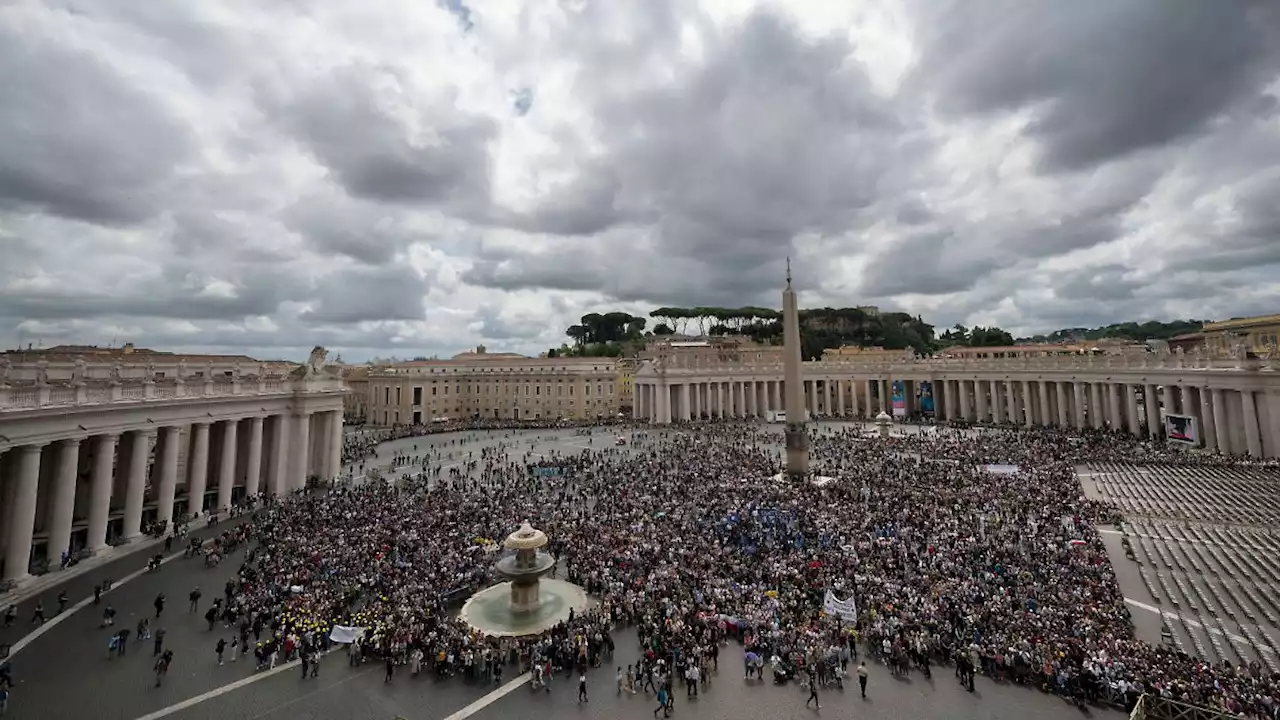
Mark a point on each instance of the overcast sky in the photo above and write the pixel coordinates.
(413, 177)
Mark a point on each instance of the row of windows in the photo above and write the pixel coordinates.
(601, 390)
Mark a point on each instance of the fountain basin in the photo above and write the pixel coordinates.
(491, 611)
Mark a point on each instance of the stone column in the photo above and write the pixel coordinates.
(198, 469)
(999, 403)
(1060, 389)
(828, 403)
(1077, 400)
(1113, 396)
(1046, 414)
(136, 487)
(104, 456)
(1131, 403)
(62, 503)
(871, 402)
(253, 466)
(278, 460)
(984, 409)
(301, 445)
(168, 439)
(962, 408)
(1011, 402)
(335, 444)
(1208, 428)
(1097, 416)
(1249, 413)
(1028, 405)
(686, 402)
(1220, 422)
(1151, 409)
(1170, 398)
(22, 519)
(227, 464)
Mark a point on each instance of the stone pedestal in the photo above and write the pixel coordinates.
(524, 597)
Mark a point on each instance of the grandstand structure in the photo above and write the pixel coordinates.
(1197, 556)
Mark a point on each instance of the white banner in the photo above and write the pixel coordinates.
(844, 609)
(345, 634)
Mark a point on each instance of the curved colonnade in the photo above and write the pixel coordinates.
(1236, 402)
(85, 461)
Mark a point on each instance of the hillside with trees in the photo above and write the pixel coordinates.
(1137, 332)
(616, 334)
(619, 334)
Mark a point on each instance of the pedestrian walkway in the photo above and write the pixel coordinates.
(40, 584)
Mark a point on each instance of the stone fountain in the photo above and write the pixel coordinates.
(528, 602)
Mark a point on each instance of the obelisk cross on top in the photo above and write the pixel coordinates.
(797, 440)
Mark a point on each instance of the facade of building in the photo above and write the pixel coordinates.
(94, 445)
(624, 370)
(484, 385)
(355, 404)
(1260, 334)
(1234, 401)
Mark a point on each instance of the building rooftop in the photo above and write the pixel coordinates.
(126, 353)
(1241, 323)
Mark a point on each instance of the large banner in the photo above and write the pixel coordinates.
(897, 398)
(1181, 429)
(846, 610)
(926, 397)
(345, 634)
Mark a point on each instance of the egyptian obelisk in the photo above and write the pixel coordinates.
(797, 439)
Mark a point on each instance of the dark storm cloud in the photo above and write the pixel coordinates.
(258, 294)
(1106, 284)
(361, 294)
(929, 262)
(1106, 78)
(76, 139)
(337, 225)
(345, 120)
(772, 136)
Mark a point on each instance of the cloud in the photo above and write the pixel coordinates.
(416, 178)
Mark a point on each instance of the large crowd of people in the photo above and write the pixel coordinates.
(690, 546)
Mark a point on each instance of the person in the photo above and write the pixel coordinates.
(221, 647)
(620, 678)
(862, 678)
(97, 594)
(162, 666)
(390, 668)
(582, 687)
(194, 597)
(158, 642)
(37, 615)
(63, 599)
(4, 699)
(159, 603)
(813, 690)
(662, 703)
(108, 616)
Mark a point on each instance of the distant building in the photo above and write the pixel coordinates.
(483, 385)
(1087, 347)
(1258, 334)
(1187, 342)
(874, 352)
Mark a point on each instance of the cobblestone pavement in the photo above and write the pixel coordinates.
(65, 674)
(345, 694)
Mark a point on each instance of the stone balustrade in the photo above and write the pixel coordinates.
(31, 397)
(929, 364)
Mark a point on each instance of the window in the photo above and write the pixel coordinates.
(386, 395)
(398, 397)
(433, 391)
(417, 397)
